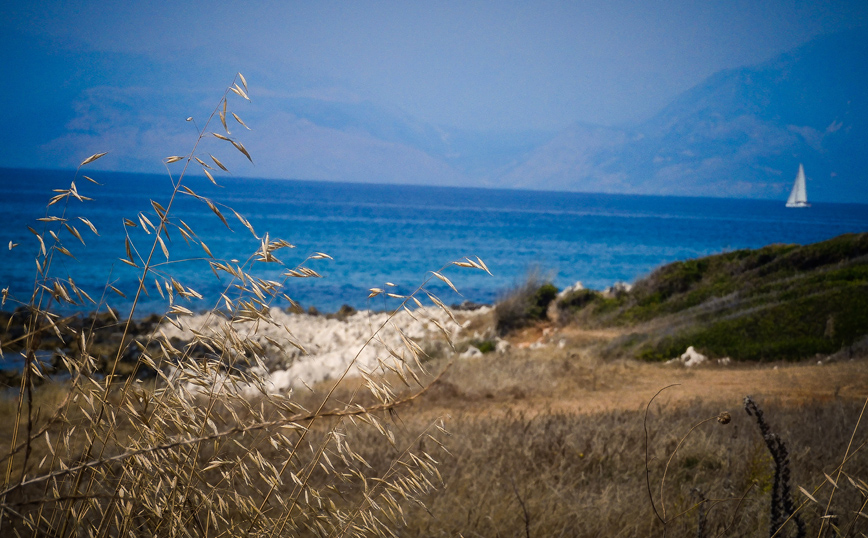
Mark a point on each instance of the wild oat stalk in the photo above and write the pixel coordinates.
(206, 446)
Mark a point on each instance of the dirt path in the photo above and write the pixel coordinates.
(572, 379)
(635, 384)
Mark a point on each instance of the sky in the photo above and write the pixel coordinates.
(121, 76)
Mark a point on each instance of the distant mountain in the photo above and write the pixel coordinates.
(347, 140)
(741, 133)
(573, 160)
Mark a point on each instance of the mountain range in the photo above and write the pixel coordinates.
(741, 133)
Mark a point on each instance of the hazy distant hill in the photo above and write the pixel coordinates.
(741, 133)
(360, 141)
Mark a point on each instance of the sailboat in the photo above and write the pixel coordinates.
(799, 196)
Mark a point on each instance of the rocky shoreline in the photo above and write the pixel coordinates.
(298, 347)
(329, 344)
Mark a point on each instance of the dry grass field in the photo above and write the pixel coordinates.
(574, 379)
(551, 442)
(549, 439)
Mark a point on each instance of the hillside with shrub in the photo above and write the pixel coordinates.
(779, 302)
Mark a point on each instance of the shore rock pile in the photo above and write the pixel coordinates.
(332, 344)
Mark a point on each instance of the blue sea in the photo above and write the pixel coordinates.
(382, 233)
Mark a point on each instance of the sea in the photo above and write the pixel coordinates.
(391, 237)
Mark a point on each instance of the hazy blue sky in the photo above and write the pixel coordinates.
(79, 66)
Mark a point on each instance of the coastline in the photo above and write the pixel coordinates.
(397, 234)
(717, 303)
(298, 348)
(302, 349)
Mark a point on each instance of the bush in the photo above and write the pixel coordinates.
(570, 306)
(524, 305)
(485, 346)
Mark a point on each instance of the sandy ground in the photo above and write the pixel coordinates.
(572, 379)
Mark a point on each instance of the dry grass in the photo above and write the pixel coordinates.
(582, 474)
(206, 447)
(550, 442)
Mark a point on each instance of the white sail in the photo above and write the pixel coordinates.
(799, 194)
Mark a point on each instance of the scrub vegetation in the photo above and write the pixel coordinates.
(778, 302)
(525, 304)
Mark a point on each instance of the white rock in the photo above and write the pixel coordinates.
(691, 357)
(569, 289)
(471, 353)
(332, 345)
(617, 288)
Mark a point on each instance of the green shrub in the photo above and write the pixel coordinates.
(576, 300)
(543, 296)
(485, 346)
(524, 305)
(778, 302)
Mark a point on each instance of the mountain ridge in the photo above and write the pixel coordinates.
(740, 133)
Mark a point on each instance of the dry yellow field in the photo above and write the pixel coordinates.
(574, 379)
